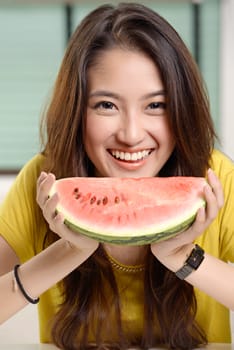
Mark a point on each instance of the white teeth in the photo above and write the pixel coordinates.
(121, 155)
(130, 156)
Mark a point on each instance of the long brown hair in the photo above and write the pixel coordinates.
(135, 27)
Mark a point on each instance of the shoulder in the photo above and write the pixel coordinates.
(21, 221)
(223, 167)
(34, 165)
(222, 228)
(25, 182)
(31, 170)
(221, 164)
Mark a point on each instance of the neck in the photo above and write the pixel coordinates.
(127, 255)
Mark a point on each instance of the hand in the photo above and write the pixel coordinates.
(173, 252)
(56, 220)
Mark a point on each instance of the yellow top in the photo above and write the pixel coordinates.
(23, 226)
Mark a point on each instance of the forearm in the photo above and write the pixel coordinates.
(39, 274)
(213, 276)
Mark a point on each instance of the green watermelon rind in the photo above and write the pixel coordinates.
(133, 240)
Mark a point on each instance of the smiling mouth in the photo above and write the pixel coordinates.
(130, 156)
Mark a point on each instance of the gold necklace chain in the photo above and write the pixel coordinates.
(125, 268)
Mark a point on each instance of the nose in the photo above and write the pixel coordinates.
(131, 130)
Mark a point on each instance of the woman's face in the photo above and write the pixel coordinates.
(127, 131)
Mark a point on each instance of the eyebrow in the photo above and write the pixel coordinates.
(154, 93)
(118, 97)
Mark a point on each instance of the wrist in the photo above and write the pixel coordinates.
(82, 249)
(192, 262)
(177, 258)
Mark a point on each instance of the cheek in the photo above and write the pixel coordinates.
(164, 134)
(90, 142)
(97, 131)
(90, 135)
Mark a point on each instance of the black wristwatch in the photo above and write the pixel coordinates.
(192, 262)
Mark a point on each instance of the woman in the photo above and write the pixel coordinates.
(128, 102)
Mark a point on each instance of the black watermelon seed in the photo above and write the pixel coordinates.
(105, 200)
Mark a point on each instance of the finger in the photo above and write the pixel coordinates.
(211, 203)
(195, 230)
(62, 229)
(56, 222)
(49, 208)
(201, 216)
(216, 186)
(205, 215)
(41, 177)
(45, 184)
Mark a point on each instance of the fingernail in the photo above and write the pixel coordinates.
(42, 175)
(52, 176)
(210, 171)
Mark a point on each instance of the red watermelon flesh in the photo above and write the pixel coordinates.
(130, 211)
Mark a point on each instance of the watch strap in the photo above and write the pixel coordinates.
(192, 262)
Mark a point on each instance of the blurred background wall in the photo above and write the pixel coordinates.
(33, 37)
(226, 76)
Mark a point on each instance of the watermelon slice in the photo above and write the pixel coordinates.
(133, 211)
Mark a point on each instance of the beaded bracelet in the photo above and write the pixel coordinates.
(19, 284)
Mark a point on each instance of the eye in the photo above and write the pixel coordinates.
(157, 105)
(104, 105)
(156, 108)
